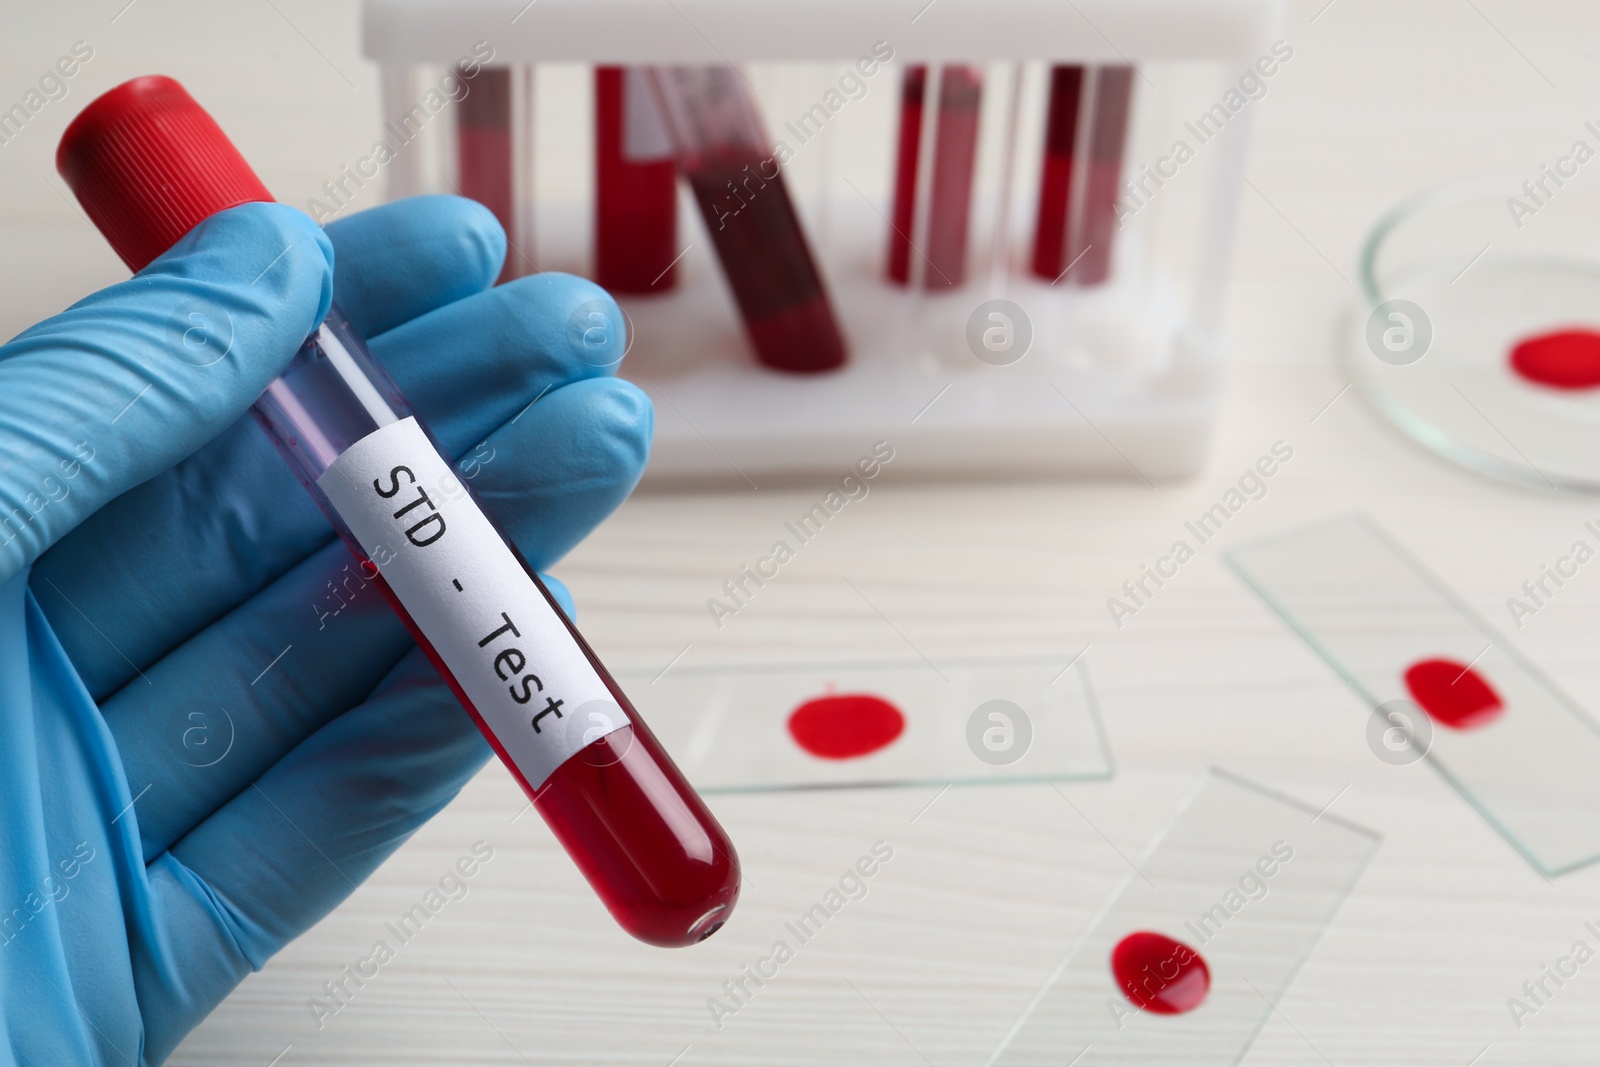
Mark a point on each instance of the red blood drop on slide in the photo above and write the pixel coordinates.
(1562, 359)
(845, 725)
(1159, 974)
(1453, 694)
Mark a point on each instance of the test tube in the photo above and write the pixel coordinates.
(484, 169)
(1055, 173)
(737, 182)
(1091, 248)
(945, 218)
(636, 199)
(908, 143)
(148, 164)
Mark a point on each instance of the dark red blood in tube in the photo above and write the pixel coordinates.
(1159, 974)
(955, 157)
(766, 260)
(845, 725)
(636, 201)
(483, 150)
(654, 854)
(1562, 359)
(735, 174)
(1050, 237)
(1453, 694)
(643, 838)
(1108, 136)
(912, 87)
(950, 185)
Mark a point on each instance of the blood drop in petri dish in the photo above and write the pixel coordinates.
(1159, 974)
(845, 725)
(1453, 694)
(1561, 359)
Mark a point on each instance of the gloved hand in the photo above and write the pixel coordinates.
(211, 730)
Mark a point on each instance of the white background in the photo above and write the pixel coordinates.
(988, 885)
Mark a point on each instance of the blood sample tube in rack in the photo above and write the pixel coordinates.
(1056, 171)
(636, 190)
(930, 244)
(1112, 100)
(737, 182)
(1086, 133)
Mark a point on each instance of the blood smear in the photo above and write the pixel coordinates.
(1159, 974)
(1453, 694)
(846, 725)
(1563, 359)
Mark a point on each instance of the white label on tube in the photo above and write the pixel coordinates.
(505, 644)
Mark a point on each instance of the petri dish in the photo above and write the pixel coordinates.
(1452, 282)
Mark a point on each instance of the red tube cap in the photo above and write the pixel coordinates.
(148, 164)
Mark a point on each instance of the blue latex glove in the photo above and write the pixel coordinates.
(172, 812)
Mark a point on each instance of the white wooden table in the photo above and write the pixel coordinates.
(988, 885)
